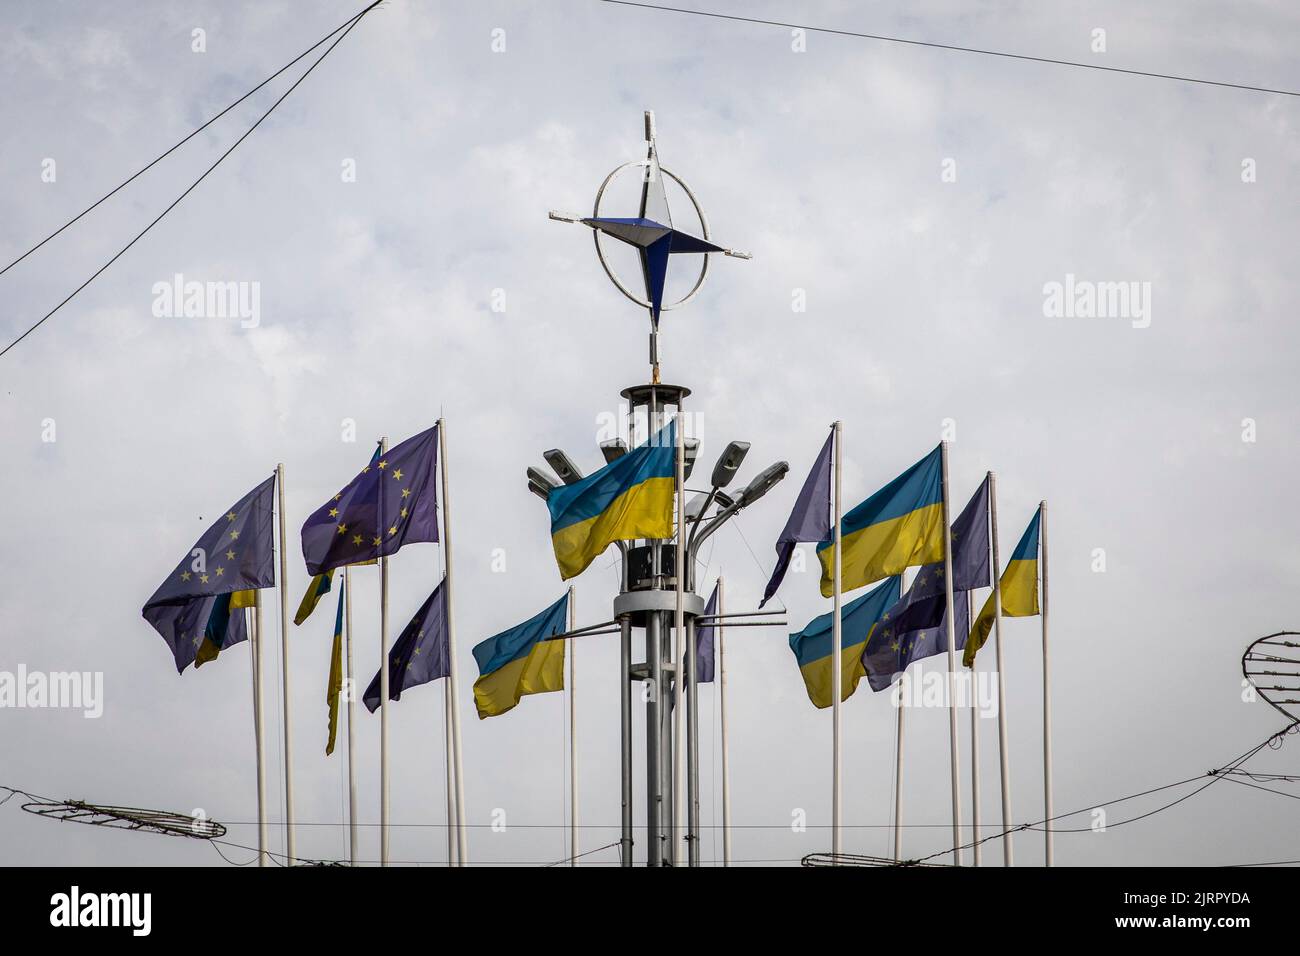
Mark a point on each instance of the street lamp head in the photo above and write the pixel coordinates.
(690, 451)
(540, 490)
(613, 450)
(695, 507)
(563, 465)
(728, 463)
(763, 482)
(542, 479)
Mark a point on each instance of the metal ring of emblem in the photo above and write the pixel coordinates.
(600, 250)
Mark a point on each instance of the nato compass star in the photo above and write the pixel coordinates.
(652, 234)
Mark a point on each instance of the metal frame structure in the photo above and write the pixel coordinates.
(657, 588)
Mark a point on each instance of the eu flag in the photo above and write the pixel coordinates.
(705, 654)
(809, 521)
(917, 626)
(392, 502)
(419, 654)
(197, 600)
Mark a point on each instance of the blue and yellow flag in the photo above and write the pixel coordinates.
(192, 608)
(319, 587)
(812, 646)
(421, 653)
(391, 503)
(631, 497)
(336, 676)
(1019, 590)
(898, 527)
(521, 661)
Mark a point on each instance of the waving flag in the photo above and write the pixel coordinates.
(335, 686)
(810, 520)
(1019, 590)
(813, 649)
(521, 661)
(917, 626)
(631, 497)
(420, 653)
(705, 655)
(391, 503)
(192, 608)
(898, 527)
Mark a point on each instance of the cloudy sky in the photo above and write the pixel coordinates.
(924, 303)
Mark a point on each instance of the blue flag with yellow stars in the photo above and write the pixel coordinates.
(420, 654)
(917, 626)
(392, 502)
(193, 609)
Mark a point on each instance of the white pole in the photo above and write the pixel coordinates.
(952, 663)
(1047, 696)
(679, 656)
(1004, 752)
(898, 778)
(290, 843)
(836, 665)
(352, 719)
(450, 772)
(259, 727)
(722, 702)
(974, 746)
(462, 856)
(573, 734)
(383, 697)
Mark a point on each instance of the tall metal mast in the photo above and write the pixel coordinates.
(657, 591)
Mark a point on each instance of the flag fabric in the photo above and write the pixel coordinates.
(1019, 590)
(705, 653)
(898, 527)
(631, 497)
(335, 686)
(809, 521)
(914, 628)
(420, 654)
(391, 503)
(192, 608)
(813, 649)
(521, 661)
(320, 586)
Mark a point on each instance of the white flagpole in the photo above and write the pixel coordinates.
(1047, 696)
(290, 843)
(898, 779)
(383, 696)
(259, 727)
(722, 702)
(679, 656)
(974, 745)
(573, 734)
(450, 771)
(1004, 752)
(952, 662)
(898, 746)
(836, 664)
(462, 856)
(352, 719)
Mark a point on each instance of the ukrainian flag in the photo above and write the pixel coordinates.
(632, 497)
(335, 686)
(521, 661)
(1019, 590)
(319, 587)
(898, 527)
(813, 648)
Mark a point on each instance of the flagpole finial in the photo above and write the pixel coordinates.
(652, 233)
